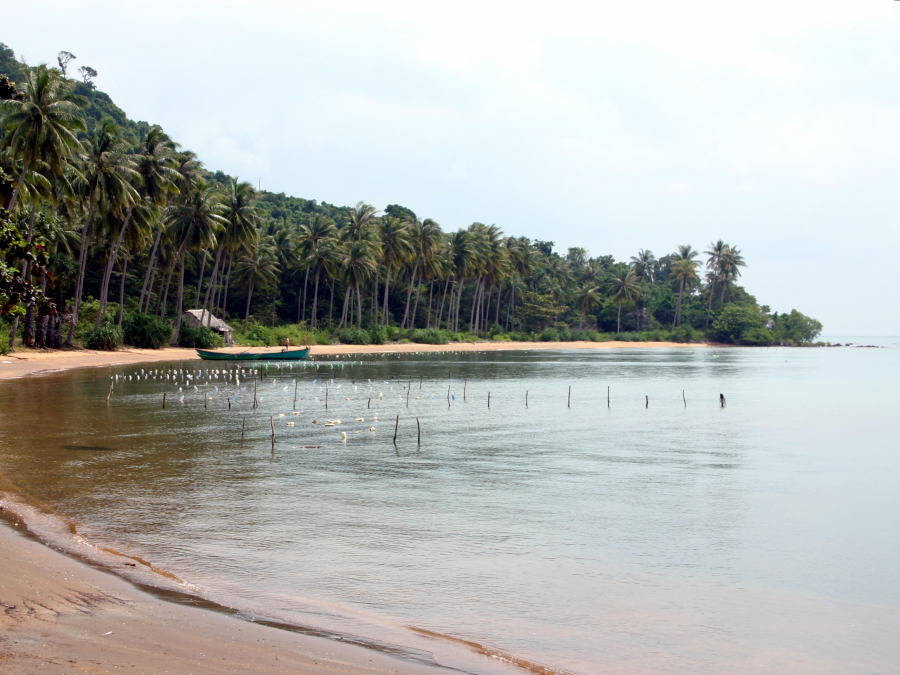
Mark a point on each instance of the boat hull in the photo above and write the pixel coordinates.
(289, 355)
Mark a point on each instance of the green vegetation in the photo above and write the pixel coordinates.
(100, 206)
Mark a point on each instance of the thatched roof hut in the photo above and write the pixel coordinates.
(200, 317)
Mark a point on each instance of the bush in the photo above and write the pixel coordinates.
(430, 336)
(105, 337)
(146, 331)
(199, 337)
(378, 335)
(355, 336)
(757, 337)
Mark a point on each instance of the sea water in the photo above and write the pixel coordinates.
(586, 510)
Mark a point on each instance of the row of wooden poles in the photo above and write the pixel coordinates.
(409, 389)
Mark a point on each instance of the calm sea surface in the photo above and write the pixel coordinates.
(622, 521)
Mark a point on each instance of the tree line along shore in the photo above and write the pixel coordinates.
(109, 231)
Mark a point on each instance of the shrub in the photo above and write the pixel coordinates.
(378, 335)
(355, 336)
(105, 337)
(757, 337)
(199, 337)
(430, 336)
(146, 331)
(549, 335)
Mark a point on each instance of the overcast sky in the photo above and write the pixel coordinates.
(613, 126)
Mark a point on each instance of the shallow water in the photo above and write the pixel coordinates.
(654, 530)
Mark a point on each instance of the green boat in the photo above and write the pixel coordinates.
(285, 355)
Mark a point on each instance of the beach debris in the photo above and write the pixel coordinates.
(360, 419)
(343, 437)
(372, 429)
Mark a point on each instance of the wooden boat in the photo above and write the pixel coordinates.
(284, 355)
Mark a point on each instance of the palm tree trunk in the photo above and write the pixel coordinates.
(249, 297)
(26, 167)
(359, 306)
(212, 283)
(151, 267)
(315, 306)
(387, 285)
(166, 284)
(345, 307)
(82, 268)
(200, 282)
(122, 290)
(301, 309)
(412, 282)
(227, 285)
(619, 319)
(182, 255)
(331, 303)
(110, 263)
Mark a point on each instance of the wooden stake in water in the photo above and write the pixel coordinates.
(109, 395)
(228, 398)
(396, 424)
(255, 400)
(418, 433)
(272, 424)
(369, 404)
(243, 425)
(646, 401)
(526, 398)
(569, 400)
(683, 398)
(607, 396)
(205, 401)
(326, 397)
(465, 386)
(489, 400)
(296, 382)
(164, 400)
(448, 396)
(408, 389)
(721, 400)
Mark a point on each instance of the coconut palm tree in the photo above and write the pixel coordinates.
(106, 185)
(195, 221)
(396, 249)
(240, 231)
(684, 271)
(310, 238)
(42, 126)
(156, 177)
(257, 268)
(626, 288)
(587, 299)
(426, 237)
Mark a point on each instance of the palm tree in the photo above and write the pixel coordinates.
(684, 270)
(156, 180)
(396, 249)
(195, 221)
(587, 299)
(257, 268)
(42, 126)
(106, 185)
(308, 242)
(240, 231)
(626, 288)
(643, 264)
(359, 265)
(426, 236)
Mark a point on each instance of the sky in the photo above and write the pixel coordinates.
(611, 126)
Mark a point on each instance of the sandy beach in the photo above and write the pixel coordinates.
(22, 363)
(62, 615)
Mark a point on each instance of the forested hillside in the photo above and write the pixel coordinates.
(112, 229)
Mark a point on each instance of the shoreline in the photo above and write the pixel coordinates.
(32, 362)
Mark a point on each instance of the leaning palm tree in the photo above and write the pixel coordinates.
(42, 126)
(106, 186)
(626, 288)
(359, 265)
(195, 221)
(155, 176)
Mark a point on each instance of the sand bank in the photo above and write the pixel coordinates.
(23, 363)
(58, 615)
